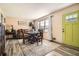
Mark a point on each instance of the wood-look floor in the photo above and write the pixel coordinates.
(17, 48)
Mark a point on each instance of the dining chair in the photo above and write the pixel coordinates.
(39, 36)
(25, 36)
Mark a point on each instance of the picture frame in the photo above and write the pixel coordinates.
(22, 23)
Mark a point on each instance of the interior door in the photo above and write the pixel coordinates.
(71, 29)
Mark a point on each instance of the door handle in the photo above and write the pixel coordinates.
(63, 30)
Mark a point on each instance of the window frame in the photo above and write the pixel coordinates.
(45, 27)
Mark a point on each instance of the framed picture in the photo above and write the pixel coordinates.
(22, 23)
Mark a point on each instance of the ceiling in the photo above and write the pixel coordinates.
(30, 10)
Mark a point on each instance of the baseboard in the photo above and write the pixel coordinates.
(69, 46)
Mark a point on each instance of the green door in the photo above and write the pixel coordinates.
(71, 29)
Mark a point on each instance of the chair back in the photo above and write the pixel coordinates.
(40, 32)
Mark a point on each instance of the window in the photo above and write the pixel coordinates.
(44, 24)
(72, 17)
(38, 24)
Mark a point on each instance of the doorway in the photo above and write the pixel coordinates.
(71, 29)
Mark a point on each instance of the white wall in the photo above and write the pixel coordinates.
(14, 21)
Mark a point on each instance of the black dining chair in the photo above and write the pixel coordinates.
(25, 36)
(39, 37)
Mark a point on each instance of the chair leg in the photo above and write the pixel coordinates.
(37, 42)
(23, 41)
(41, 41)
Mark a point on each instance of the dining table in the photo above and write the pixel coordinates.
(32, 36)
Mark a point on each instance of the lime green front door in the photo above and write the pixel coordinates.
(71, 29)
